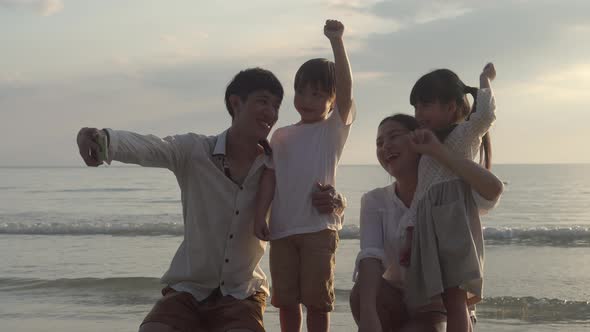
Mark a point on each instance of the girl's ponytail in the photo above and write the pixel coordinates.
(473, 92)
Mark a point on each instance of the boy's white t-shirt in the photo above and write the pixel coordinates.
(303, 155)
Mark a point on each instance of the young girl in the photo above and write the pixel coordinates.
(443, 229)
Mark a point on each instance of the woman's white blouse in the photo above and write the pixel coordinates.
(381, 213)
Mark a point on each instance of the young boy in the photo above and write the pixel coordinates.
(303, 242)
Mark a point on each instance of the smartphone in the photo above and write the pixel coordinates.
(104, 148)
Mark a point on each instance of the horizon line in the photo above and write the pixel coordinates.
(121, 165)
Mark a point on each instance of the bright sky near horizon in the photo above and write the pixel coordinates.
(161, 67)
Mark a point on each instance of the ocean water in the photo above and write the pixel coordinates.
(83, 248)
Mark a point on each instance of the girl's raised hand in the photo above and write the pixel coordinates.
(489, 72)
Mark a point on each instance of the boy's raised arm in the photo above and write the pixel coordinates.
(334, 30)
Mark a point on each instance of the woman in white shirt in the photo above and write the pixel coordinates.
(377, 298)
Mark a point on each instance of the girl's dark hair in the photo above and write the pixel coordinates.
(320, 73)
(405, 120)
(444, 86)
(251, 80)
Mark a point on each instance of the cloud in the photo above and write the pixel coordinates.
(176, 83)
(185, 45)
(522, 38)
(11, 78)
(160, 100)
(352, 5)
(50, 7)
(541, 57)
(406, 13)
(420, 12)
(363, 76)
(440, 11)
(563, 86)
(14, 84)
(43, 7)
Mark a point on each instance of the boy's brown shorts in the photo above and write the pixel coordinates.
(217, 313)
(302, 270)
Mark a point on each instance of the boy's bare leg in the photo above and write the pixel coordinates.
(290, 317)
(455, 300)
(317, 321)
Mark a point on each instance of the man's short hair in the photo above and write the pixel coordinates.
(250, 80)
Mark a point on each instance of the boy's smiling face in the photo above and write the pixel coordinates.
(312, 103)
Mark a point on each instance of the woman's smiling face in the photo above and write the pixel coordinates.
(393, 148)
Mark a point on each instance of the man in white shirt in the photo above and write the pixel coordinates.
(214, 282)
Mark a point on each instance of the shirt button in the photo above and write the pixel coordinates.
(231, 236)
(227, 260)
(222, 283)
(237, 212)
(241, 187)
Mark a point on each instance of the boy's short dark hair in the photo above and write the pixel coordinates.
(320, 73)
(250, 80)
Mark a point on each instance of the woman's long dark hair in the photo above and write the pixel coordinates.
(445, 86)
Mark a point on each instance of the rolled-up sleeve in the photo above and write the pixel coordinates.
(371, 232)
(484, 205)
(482, 119)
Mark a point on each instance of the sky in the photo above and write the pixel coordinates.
(161, 67)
